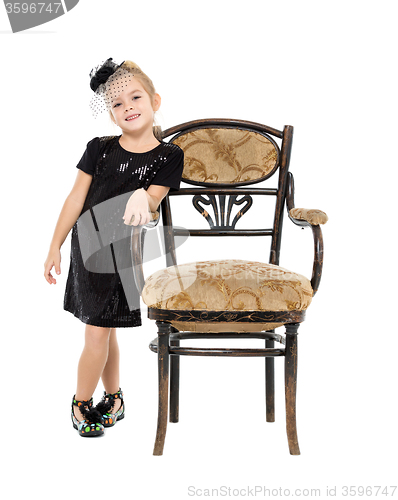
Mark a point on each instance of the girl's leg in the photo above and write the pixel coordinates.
(110, 374)
(92, 362)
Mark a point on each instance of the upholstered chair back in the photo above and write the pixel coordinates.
(220, 155)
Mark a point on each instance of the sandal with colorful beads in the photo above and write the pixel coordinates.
(92, 425)
(105, 406)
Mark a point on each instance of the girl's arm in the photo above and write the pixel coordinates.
(69, 214)
(142, 202)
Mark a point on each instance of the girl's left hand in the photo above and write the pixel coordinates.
(139, 207)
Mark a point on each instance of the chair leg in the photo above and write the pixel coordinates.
(270, 385)
(163, 373)
(290, 387)
(174, 383)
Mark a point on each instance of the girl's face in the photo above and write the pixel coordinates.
(133, 110)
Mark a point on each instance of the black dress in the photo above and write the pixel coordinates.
(100, 288)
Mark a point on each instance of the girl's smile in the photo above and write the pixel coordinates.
(132, 117)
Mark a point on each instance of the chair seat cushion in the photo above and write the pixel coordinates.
(227, 285)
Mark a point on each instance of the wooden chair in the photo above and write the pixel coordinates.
(229, 298)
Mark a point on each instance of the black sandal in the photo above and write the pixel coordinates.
(92, 425)
(105, 406)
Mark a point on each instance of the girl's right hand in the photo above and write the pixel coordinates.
(53, 260)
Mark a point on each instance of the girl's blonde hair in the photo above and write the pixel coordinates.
(147, 83)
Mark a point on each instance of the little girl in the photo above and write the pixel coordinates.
(136, 169)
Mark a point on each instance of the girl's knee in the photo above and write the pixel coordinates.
(97, 336)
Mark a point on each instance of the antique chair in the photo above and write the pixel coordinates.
(229, 298)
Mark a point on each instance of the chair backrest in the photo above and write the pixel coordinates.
(221, 158)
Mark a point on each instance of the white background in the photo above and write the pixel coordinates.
(328, 69)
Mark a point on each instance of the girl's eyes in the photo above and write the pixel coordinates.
(134, 98)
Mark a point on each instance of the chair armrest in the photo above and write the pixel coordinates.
(137, 249)
(308, 218)
(314, 217)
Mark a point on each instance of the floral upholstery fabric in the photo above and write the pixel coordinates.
(227, 285)
(314, 217)
(227, 155)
